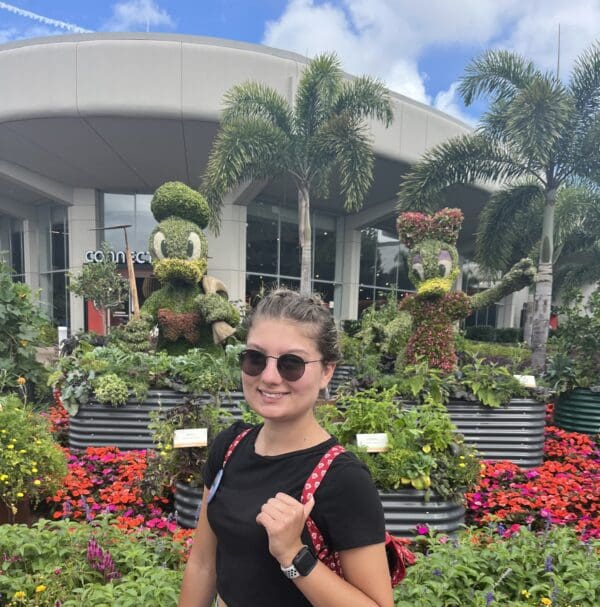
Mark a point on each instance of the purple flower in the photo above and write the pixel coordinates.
(548, 564)
(422, 529)
(489, 598)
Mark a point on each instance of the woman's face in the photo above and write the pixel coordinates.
(269, 394)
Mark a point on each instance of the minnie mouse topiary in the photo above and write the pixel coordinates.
(433, 269)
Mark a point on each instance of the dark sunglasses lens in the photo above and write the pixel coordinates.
(290, 367)
(252, 362)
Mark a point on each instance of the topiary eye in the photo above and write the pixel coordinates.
(417, 266)
(160, 245)
(444, 264)
(194, 246)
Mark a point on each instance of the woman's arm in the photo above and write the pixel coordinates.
(366, 581)
(200, 579)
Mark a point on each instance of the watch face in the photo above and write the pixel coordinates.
(304, 561)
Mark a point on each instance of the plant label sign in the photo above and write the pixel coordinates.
(373, 443)
(526, 380)
(190, 437)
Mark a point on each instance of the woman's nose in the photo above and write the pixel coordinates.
(270, 373)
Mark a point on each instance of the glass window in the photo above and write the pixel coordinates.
(261, 239)
(144, 223)
(119, 209)
(257, 286)
(273, 249)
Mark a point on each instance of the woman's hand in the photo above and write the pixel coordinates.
(283, 518)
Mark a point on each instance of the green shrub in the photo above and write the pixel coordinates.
(54, 556)
(111, 389)
(480, 568)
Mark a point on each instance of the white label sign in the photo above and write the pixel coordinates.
(374, 443)
(526, 380)
(190, 437)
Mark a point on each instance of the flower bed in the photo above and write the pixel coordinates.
(564, 490)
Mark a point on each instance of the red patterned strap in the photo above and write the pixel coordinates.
(313, 482)
(236, 441)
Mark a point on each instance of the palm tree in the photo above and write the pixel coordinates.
(519, 210)
(262, 136)
(537, 135)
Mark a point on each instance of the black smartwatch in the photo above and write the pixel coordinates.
(302, 564)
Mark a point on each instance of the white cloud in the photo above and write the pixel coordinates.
(134, 15)
(388, 38)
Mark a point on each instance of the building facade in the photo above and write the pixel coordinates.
(91, 125)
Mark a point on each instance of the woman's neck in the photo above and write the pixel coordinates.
(278, 437)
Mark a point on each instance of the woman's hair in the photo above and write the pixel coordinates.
(285, 304)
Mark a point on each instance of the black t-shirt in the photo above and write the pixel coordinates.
(347, 511)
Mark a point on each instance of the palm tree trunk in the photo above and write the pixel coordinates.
(305, 235)
(543, 286)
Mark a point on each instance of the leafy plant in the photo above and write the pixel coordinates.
(101, 283)
(111, 389)
(575, 358)
(493, 385)
(484, 568)
(32, 464)
(21, 324)
(183, 464)
(52, 563)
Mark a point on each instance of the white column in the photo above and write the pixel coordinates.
(82, 219)
(350, 272)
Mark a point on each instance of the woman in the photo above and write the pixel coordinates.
(251, 546)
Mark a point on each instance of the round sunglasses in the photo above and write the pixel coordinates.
(289, 366)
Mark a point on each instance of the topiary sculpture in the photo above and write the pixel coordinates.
(189, 303)
(433, 268)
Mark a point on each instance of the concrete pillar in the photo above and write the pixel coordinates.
(82, 219)
(350, 272)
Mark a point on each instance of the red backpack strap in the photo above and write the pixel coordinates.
(313, 482)
(236, 441)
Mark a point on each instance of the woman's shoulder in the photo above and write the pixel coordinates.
(229, 434)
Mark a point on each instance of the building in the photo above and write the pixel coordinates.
(90, 125)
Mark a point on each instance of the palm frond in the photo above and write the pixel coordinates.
(537, 119)
(257, 100)
(509, 226)
(464, 159)
(366, 97)
(243, 149)
(318, 89)
(576, 273)
(585, 80)
(577, 217)
(583, 154)
(496, 73)
(345, 140)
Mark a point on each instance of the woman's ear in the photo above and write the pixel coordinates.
(328, 369)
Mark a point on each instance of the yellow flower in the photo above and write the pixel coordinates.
(40, 588)
(11, 446)
(20, 494)
(525, 593)
(19, 594)
(461, 457)
(37, 482)
(462, 465)
(546, 601)
(34, 470)
(21, 380)
(426, 448)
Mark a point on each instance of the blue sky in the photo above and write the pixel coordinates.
(418, 47)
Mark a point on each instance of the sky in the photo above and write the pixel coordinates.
(419, 48)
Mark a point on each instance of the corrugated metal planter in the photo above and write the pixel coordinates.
(187, 505)
(578, 411)
(126, 427)
(406, 508)
(341, 375)
(514, 432)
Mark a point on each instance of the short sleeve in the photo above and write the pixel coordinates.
(217, 451)
(349, 513)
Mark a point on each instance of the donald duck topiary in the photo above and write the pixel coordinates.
(190, 308)
(433, 268)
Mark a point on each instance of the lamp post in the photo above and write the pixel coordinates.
(130, 271)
